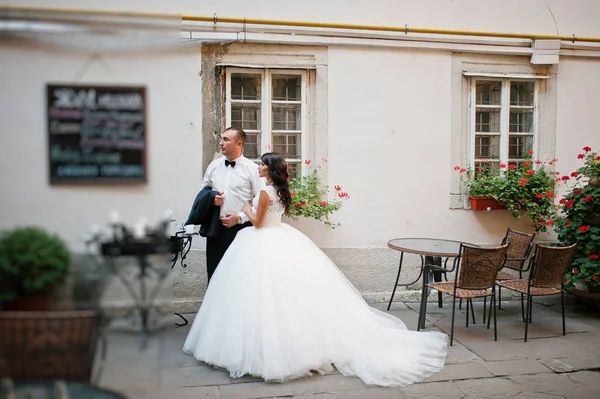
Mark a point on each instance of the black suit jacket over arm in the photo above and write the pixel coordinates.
(205, 213)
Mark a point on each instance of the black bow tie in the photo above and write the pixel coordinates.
(232, 163)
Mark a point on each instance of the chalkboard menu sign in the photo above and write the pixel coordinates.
(96, 134)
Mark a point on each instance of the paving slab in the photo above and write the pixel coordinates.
(446, 390)
(553, 384)
(492, 388)
(516, 367)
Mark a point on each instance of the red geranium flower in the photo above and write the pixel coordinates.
(569, 203)
(584, 229)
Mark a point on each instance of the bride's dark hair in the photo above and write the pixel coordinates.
(278, 172)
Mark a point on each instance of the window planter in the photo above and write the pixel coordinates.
(481, 203)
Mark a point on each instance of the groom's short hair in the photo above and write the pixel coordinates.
(239, 133)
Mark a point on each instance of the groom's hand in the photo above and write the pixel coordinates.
(218, 199)
(230, 219)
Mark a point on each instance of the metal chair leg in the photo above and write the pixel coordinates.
(453, 314)
(472, 310)
(484, 307)
(460, 304)
(499, 297)
(467, 318)
(492, 304)
(495, 322)
(562, 300)
(527, 316)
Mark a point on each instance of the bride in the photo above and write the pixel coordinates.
(278, 308)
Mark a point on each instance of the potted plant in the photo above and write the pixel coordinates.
(32, 262)
(523, 188)
(310, 198)
(578, 221)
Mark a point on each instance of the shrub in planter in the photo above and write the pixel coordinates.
(32, 262)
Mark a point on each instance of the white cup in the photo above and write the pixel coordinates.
(189, 228)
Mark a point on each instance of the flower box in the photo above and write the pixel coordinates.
(481, 203)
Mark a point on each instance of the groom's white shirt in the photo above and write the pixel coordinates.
(239, 184)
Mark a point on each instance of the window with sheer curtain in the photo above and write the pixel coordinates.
(270, 105)
(503, 121)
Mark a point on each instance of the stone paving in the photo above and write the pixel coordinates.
(549, 365)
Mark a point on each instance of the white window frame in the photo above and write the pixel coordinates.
(504, 116)
(266, 107)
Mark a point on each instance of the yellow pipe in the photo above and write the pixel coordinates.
(327, 25)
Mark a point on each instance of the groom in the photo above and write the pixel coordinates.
(235, 177)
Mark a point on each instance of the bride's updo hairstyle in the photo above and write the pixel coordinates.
(278, 172)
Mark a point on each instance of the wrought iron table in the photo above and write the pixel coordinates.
(431, 250)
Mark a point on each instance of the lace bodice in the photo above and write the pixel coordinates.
(275, 209)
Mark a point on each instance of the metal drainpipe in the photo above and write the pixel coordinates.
(256, 21)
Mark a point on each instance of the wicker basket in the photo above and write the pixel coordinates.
(48, 345)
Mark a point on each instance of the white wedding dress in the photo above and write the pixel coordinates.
(277, 307)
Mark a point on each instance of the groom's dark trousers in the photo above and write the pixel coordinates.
(217, 246)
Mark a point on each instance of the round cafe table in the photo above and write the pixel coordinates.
(432, 250)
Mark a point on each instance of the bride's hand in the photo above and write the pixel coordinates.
(246, 209)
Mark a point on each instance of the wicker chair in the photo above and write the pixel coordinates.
(477, 269)
(519, 248)
(49, 345)
(548, 267)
